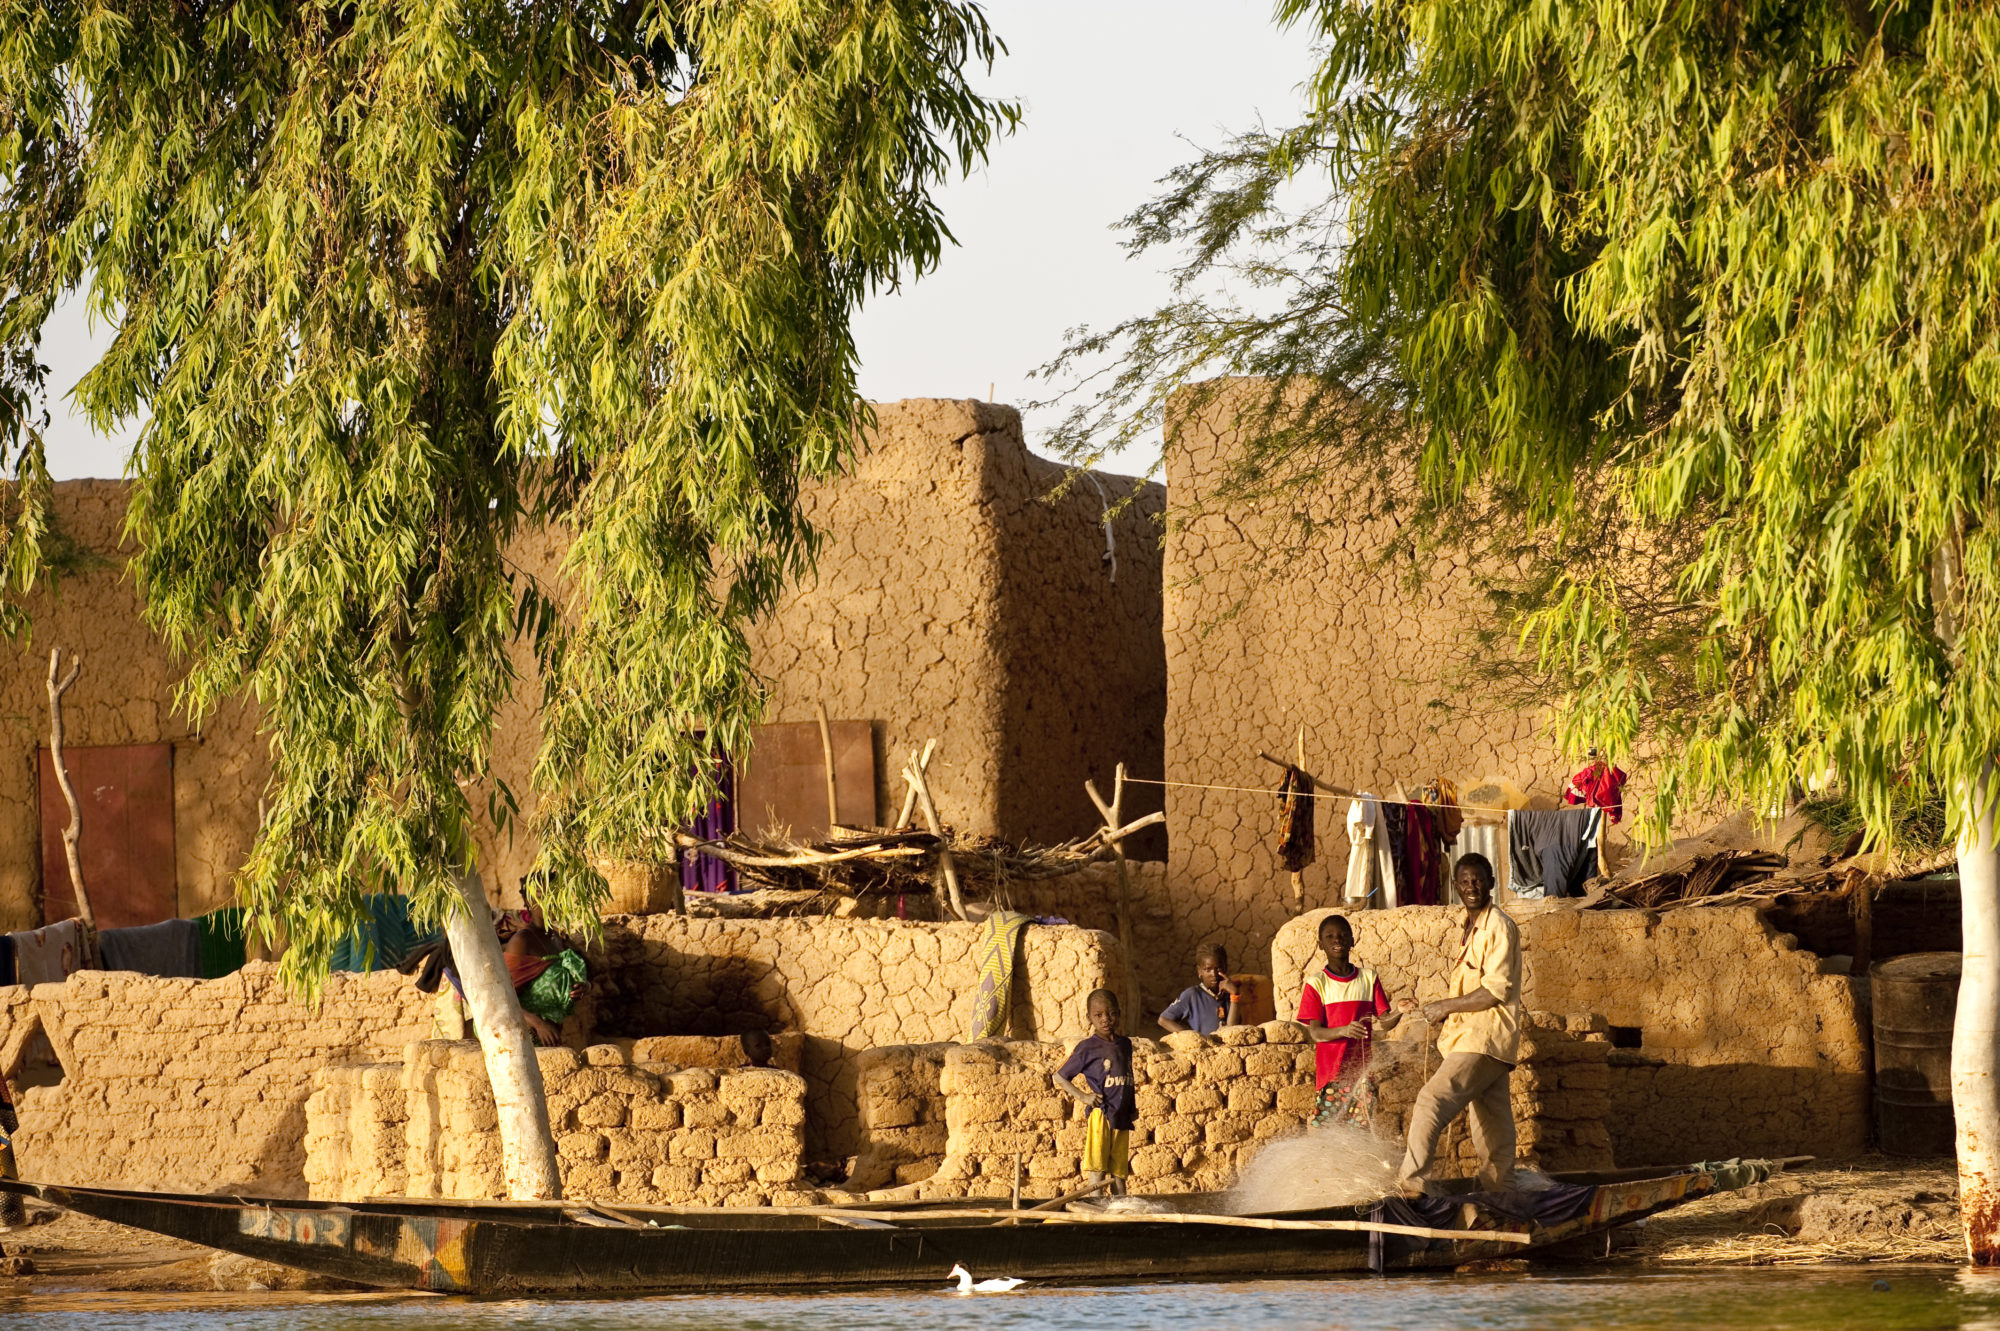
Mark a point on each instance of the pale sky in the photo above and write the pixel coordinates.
(1115, 94)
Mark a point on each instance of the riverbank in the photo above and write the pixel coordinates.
(1876, 1209)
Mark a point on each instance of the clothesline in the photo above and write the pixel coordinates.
(1316, 794)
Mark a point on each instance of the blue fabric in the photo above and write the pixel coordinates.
(383, 938)
(171, 948)
(1197, 1009)
(1106, 1067)
(1549, 1206)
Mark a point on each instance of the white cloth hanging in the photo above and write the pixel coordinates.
(1371, 873)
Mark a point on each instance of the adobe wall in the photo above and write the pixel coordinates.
(1745, 1048)
(953, 602)
(950, 602)
(634, 1132)
(1205, 1105)
(191, 1085)
(1331, 641)
(124, 695)
(847, 985)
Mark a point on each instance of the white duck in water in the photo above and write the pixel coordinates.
(967, 1286)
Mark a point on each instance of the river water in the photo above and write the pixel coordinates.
(1851, 1299)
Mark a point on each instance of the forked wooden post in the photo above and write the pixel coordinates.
(72, 834)
(914, 774)
(1115, 836)
(910, 789)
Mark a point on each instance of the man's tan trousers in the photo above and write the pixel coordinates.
(1464, 1080)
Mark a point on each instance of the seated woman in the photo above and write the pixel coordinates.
(548, 975)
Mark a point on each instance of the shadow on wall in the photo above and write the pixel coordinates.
(1676, 1113)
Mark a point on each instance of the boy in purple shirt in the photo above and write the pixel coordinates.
(1104, 1060)
(1210, 1003)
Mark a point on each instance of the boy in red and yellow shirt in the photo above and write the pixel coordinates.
(1341, 1007)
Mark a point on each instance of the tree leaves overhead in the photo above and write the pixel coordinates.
(395, 280)
(1699, 298)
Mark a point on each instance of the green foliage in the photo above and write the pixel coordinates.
(1700, 299)
(396, 281)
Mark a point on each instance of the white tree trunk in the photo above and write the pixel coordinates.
(527, 1147)
(1975, 1038)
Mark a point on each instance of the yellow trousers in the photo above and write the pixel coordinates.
(1106, 1150)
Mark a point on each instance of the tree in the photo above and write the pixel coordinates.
(1712, 283)
(394, 280)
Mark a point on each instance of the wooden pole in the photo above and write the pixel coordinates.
(1111, 826)
(1017, 1181)
(826, 752)
(73, 834)
(1326, 787)
(910, 792)
(948, 866)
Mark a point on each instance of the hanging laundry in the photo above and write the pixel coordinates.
(1395, 830)
(171, 949)
(1599, 785)
(1371, 873)
(1423, 854)
(383, 936)
(224, 934)
(1553, 850)
(52, 954)
(1295, 820)
(717, 819)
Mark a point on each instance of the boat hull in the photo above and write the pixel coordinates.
(576, 1249)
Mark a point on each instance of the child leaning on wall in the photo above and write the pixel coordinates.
(1211, 1002)
(1104, 1060)
(1343, 1005)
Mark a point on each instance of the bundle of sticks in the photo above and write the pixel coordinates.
(864, 862)
(1731, 874)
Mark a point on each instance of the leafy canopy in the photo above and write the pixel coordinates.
(1701, 298)
(396, 281)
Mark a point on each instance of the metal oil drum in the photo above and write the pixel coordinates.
(1915, 1000)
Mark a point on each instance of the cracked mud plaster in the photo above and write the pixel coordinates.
(950, 602)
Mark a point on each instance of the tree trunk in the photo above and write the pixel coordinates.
(527, 1147)
(1975, 1039)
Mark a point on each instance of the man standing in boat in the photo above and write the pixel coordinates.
(1480, 1041)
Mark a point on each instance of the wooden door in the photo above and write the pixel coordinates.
(126, 792)
(781, 783)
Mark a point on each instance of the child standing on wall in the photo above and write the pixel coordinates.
(1342, 1007)
(1209, 1003)
(1104, 1060)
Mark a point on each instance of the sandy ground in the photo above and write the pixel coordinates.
(1867, 1211)
(1877, 1209)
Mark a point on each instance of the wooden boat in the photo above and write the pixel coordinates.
(509, 1248)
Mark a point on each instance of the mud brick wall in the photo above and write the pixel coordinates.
(625, 1132)
(1742, 1046)
(957, 599)
(1333, 641)
(847, 985)
(1204, 1105)
(194, 1085)
(902, 1115)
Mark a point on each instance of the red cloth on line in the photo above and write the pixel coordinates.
(1601, 786)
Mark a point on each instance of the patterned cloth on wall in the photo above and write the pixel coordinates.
(1395, 827)
(171, 949)
(1423, 854)
(999, 946)
(1295, 820)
